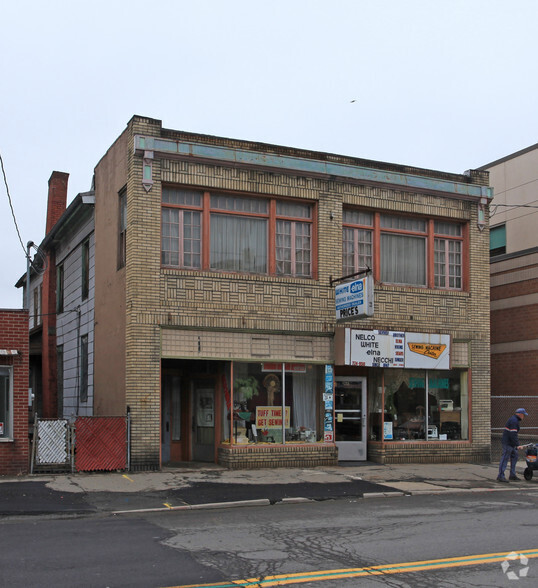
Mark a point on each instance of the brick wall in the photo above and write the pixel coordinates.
(14, 335)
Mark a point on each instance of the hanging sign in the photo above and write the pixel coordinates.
(355, 299)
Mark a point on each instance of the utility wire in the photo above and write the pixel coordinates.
(11, 205)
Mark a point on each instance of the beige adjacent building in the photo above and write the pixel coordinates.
(514, 290)
(217, 263)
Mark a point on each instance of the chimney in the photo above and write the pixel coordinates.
(57, 198)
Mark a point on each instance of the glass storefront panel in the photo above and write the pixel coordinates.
(258, 392)
(418, 405)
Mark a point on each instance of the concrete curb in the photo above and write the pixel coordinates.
(300, 500)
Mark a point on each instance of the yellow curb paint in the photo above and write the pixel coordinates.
(127, 478)
(398, 568)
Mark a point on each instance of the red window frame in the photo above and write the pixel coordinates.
(271, 217)
(429, 235)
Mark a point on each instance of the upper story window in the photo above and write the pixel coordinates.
(60, 288)
(85, 277)
(38, 297)
(403, 250)
(497, 240)
(6, 402)
(216, 231)
(122, 227)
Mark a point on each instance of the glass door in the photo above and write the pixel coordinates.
(350, 418)
(203, 443)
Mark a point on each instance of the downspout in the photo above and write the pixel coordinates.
(77, 389)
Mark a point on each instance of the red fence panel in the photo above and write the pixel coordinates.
(101, 443)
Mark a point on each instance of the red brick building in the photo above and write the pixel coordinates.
(14, 354)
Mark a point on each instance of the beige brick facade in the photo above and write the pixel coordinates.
(198, 314)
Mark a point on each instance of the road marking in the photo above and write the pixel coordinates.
(167, 504)
(127, 478)
(398, 568)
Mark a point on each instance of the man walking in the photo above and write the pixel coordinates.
(510, 443)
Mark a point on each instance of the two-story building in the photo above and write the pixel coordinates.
(216, 263)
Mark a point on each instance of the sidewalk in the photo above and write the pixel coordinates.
(210, 486)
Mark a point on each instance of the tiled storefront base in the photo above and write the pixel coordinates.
(238, 457)
(418, 452)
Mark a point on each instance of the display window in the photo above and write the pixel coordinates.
(409, 405)
(275, 403)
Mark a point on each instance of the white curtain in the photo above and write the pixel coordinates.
(304, 400)
(403, 259)
(238, 243)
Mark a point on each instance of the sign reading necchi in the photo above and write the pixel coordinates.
(391, 349)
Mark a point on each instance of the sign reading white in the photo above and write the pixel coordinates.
(355, 299)
(376, 348)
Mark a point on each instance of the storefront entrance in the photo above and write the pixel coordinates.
(350, 418)
(203, 440)
(188, 408)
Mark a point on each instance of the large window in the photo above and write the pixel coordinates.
(428, 405)
(403, 250)
(5, 403)
(223, 232)
(262, 394)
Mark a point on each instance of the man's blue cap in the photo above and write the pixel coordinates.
(522, 411)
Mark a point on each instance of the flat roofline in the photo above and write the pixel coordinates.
(508, 157)
(326, 167)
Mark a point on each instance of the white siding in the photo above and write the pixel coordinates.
(76, 320)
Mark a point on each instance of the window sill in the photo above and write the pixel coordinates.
(228, 275)
(421, 289)
(6, 440)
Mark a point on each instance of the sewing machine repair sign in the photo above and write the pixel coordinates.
(355, 299)
(427, 351)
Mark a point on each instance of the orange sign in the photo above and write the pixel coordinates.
(270, 417)
(427, 349)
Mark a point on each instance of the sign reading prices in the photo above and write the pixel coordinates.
(376, 348)
(355, 299)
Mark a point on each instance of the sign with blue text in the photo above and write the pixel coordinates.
(355, 299)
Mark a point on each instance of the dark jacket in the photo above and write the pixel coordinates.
(511, 430)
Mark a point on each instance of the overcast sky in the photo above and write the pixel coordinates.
(448, 85)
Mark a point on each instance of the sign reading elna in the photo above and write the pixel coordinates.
(355, 299)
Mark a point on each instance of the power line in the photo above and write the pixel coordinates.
(11, 205)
